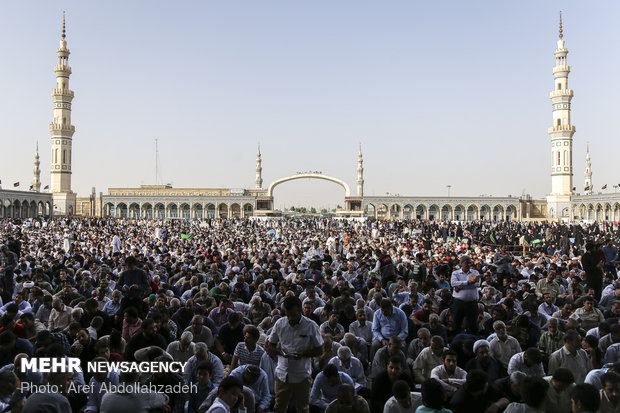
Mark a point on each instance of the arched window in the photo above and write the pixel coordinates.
(64, 156)
(565, 157)
(558, 157)
(559, 86)
(559, 122)
(56, 156)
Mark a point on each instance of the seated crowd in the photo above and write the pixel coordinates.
(320, 316)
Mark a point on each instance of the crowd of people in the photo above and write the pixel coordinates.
(312, 315)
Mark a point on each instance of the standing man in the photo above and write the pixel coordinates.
(8, 263)
(116, 243)
(593, 266)
(300, 340)
(133, 275)
(466, 284)
(502, 260)
(385, 267)
(611, 256)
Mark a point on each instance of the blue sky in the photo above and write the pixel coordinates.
(438, 93)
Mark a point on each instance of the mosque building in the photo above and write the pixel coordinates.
(166, 202)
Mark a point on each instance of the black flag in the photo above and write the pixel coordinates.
(46, 187)
(16, 184)
(604, 186)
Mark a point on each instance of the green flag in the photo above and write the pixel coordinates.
(186, 236)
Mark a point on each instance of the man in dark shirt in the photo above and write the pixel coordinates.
(133, 275)
(510, 386)
(11, 345)
(229, 336)
(176, 400)
(382, 385)
(483, 361)
(84, 348)
(148, 336)
(91, 310)
(592, 264)
(476, 395)
(310, 314)
(8, 263)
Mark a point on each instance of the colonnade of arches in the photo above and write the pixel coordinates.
(186, 210)
(600, 211)
(445, 212)
(24, 208)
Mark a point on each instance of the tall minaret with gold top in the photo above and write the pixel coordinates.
(561, 133)
(62, 133)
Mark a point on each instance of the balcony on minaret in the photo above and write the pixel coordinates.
(561, 69)
(68, 130)
(561, 92)
(63, 92)
(562, 128)
(63, 69)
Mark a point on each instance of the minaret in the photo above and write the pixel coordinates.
(36, 179)
(62, 133)
(360, 173)
(259, 170)
(561, 133)
(587, 185)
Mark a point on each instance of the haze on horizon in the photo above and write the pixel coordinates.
(442, 93)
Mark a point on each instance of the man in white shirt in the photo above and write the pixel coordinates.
(183, 349)
(229, 392)
(315, 251)
(547, 308)
(503, 346)
(299, 340)
(403, 400)
(449, 374)
(528, 362)
(60, 316)
(466, 284)
(361, 327)
(428, 359)
(346, 363)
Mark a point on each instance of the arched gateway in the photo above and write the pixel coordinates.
(347, 190)
(265, 206)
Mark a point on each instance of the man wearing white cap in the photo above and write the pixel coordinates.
(483, 361)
